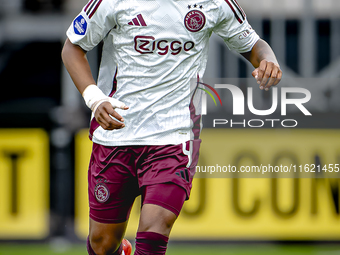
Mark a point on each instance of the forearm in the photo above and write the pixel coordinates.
(76, 63)
(267, 69)
(261, 51)
(101, 105)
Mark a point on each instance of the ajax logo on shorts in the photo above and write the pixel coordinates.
(194, 21)
(101, 193)
(80, 25)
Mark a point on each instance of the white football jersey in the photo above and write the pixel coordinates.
(153, 52)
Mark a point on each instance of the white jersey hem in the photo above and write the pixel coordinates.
(138, 142)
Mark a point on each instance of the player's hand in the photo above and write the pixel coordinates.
(267, 74)
(108, 118)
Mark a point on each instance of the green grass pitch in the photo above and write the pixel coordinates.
(179, 249)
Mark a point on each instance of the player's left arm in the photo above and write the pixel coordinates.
(267, 69)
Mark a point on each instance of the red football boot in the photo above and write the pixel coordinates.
(127, 247)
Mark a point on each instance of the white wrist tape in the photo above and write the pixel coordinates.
(94, 97)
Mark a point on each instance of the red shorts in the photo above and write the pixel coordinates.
(161, 174)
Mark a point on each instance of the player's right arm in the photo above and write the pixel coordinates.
(75, 61)
(86, 31)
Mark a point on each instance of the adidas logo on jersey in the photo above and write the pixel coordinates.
(139, 21)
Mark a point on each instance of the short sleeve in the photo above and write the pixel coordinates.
(92, 24)
(234, 28)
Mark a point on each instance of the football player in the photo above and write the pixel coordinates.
(146, 118)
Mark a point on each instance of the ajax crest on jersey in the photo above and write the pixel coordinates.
(80, 25)
(194, 21)
(101, 193)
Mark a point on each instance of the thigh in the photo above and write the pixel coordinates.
(170, 164)
(161, 204)
(112, 184)
(167, 195)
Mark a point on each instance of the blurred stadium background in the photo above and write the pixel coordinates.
(44, 147)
